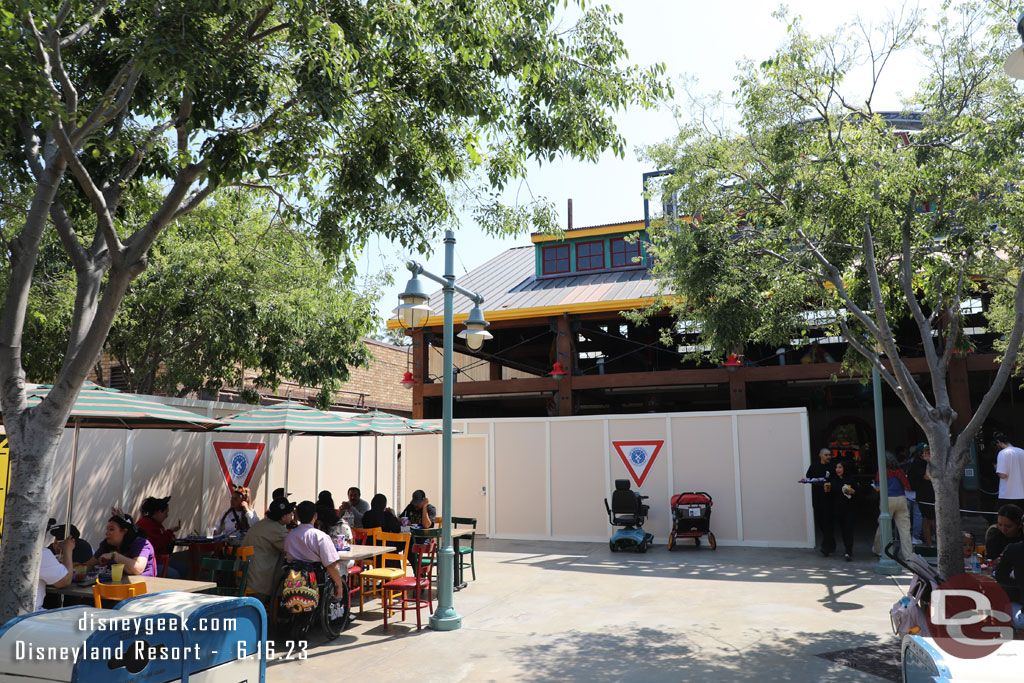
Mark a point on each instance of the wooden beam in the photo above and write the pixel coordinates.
(651, 379)
(737, 389)
(504, 386)
(564, 355)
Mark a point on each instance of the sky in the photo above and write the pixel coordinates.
(696, 40)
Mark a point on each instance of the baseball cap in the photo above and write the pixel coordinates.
(279, 508)
(279, 493)
(418, 496)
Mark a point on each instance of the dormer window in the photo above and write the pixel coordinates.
(625, 253)
(556, 259)
(589, 256)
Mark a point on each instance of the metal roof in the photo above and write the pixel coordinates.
(511, 289)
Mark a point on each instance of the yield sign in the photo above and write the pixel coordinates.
(638, 456)
(238, 460)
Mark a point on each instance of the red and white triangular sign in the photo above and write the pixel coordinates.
(238, 460)
(638, 456)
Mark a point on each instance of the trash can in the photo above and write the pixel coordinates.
(228, 635)
(88, 644)
(922, 661)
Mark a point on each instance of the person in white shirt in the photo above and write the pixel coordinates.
(240, 516)
(1010, 468)
(54, 572)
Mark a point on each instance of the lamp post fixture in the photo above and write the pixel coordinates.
(1014, 65)
(413, 312)
(885, 564)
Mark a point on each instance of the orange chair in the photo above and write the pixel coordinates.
(384, 573)
(117, 591)
(410, 589)
(244, 553)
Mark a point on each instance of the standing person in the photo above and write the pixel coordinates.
(1010, 469)
(921, 481)
(896, 486)
(267, 540)
(356, 505)
(54, 572)
(154, 514)
(240, 516)
(844, 487)
(419, 511)
(305, 543)
(915, 467)
(821, 500)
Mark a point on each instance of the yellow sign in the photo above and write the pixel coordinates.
(5, 478)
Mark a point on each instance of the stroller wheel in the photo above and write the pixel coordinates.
(711, 540)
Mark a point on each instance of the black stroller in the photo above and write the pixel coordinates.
(627, 510)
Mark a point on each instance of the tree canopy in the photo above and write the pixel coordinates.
(815, 201)
(360, 117)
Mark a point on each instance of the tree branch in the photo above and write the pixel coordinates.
(99, 203)
(77, 34)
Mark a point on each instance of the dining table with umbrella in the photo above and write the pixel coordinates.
(106, 408)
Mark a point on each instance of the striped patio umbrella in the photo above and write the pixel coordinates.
(292, 418)
(380, 423)
(101, 407)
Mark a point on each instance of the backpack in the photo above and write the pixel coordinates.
(300, 593)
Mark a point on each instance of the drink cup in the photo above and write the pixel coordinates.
(828, 487)
(210, 531)
(116, 573)
(80, 570)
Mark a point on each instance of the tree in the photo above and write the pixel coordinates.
(231, 288)
(362, 117)
(814, 202)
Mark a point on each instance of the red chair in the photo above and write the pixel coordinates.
(197, 550)
(355, 584)
(162, 562)
(411, 588)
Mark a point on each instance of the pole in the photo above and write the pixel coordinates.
(71, 488)
(445, 618)
(885, 564)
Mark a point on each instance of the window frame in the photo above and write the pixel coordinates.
(581, 269)
(544, 261)
(628, 248)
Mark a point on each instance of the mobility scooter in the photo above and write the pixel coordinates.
(628, 511)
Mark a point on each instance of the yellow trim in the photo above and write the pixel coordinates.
(542, 311)
(616, 228)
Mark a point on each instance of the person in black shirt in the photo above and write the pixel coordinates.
(1007, 529)
(420, 512)
(380, 515)
(844, 487)
(822, 500)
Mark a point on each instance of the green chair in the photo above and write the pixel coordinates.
(463, 549)
(233, 575)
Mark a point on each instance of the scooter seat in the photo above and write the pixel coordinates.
(626, 520)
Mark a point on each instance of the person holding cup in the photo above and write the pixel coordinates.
(123, 545)
(821, 500)
(53, 571)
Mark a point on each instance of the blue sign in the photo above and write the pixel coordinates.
(638, 456)
(239, 464)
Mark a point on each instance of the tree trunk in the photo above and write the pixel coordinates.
(946, 482)
(33, 440)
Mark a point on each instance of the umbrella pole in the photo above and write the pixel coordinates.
(71, 488)
(375, 464)
(287, 458)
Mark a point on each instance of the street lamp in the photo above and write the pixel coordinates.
(886, 565)
(1014, 65)
(413, 312)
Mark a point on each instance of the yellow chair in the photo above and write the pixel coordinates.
(118, 591)
(244, 553)
(381, 574)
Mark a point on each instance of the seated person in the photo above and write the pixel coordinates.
(1006, 530)
(356, 506)
(420, 512)
(267, 540)
(381, 516)
(240, 516)
(1012, 562)
(334, 526)
(154, 513)
(305, 543)
(83, 551)
(124, 545)
(53, 572)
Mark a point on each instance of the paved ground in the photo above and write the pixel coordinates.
(576, 611)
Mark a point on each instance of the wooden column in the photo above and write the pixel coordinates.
(959, 392)
(495, 369)
(420, 371)
(565, 356)
(737, 389)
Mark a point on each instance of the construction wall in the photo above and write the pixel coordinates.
(546, 478)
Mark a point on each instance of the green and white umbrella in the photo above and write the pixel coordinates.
(292, 418)
(101, 407)
(379, 423)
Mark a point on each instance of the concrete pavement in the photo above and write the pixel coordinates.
(543, 611)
